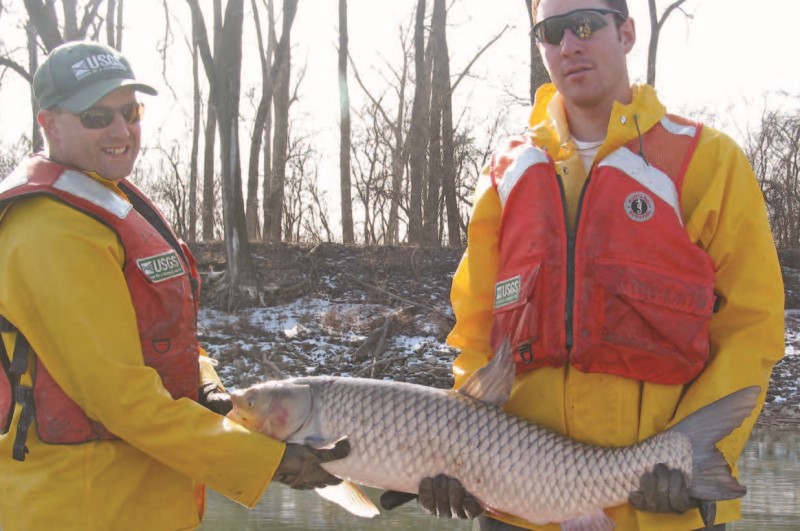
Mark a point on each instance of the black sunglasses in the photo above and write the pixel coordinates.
(99, 116)
(582, 22)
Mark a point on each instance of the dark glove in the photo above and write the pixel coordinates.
(214, 399)
(442, 496)
(662, 491)
(300, 467)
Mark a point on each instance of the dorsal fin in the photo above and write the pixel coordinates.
(492, 382)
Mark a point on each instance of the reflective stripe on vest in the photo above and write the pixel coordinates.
(627, 293)
(160, 279)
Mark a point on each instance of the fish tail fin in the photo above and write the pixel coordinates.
(711, 475)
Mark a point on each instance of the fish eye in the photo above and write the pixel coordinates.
(251, 403)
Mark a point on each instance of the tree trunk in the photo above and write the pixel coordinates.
(195, 145)
(417, 136)
(280, 146)
(37, 142)
(280, 72)
(430, 212)
(266, 193)
(253, 229)
(442, 78)
(538, 73)
(344, 140)
(228, 79)
(398, 164)
(209, 199)
(655, 33)
(224, 76)
(110, 24)
(44, 19)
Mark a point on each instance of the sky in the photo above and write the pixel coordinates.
(723, 61)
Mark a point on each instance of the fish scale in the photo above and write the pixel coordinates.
(508, 464)
(400, 433)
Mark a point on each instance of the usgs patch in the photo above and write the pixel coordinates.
(507, 291)
(161, 266)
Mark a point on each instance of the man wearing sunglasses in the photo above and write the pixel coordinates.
(102, 380)
(639, 277)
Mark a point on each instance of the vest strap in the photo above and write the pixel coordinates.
(23, 396)
(21, 354)
(6, 326)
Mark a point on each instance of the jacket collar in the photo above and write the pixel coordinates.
(550, 131)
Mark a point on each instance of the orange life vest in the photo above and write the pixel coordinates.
(626, 292)
(163, 282)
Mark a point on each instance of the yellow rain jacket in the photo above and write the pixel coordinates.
(62, 280)
(725, 215)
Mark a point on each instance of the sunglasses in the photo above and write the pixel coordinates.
(99, 117)
(582, 22)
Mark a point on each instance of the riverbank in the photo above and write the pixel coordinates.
(381, 312)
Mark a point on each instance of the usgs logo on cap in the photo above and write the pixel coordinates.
(96, 63)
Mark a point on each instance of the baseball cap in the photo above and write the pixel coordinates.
(77, 74)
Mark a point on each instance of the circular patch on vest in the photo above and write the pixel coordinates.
(639, 206)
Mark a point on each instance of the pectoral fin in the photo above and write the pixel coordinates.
(351, 497)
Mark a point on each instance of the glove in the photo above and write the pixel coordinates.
(214, 399)
(441, 496)
(662, 491)
(300, 466)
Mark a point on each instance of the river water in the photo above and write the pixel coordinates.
(770, 467)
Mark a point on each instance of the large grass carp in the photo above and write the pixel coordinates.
(400, 433)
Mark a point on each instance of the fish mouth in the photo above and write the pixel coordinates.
(236, 415)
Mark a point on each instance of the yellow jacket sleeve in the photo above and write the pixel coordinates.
(70, 299)
(728, 218)
(472, 291)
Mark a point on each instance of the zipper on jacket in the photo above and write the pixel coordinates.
(572, 235)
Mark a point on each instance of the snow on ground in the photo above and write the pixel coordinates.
(312, 336)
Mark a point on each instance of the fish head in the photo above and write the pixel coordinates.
(278, 409)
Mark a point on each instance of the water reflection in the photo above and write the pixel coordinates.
(770, 466)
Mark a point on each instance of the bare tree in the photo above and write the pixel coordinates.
(193, 173)
(114, 23)
(417, 139)
(224, 76)
(656, 25)
(442, 99)
(280, 71)
(773, 150)
(538, 73)
(344, 136)
(261, 122)
(395, 129)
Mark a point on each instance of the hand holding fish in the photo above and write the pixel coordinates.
(403, 434)
(300, 466)
(662, 491)
(442, 496)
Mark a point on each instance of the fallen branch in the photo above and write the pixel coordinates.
(437, 311)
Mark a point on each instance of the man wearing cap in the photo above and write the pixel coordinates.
(103, 383)
(626, 254)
